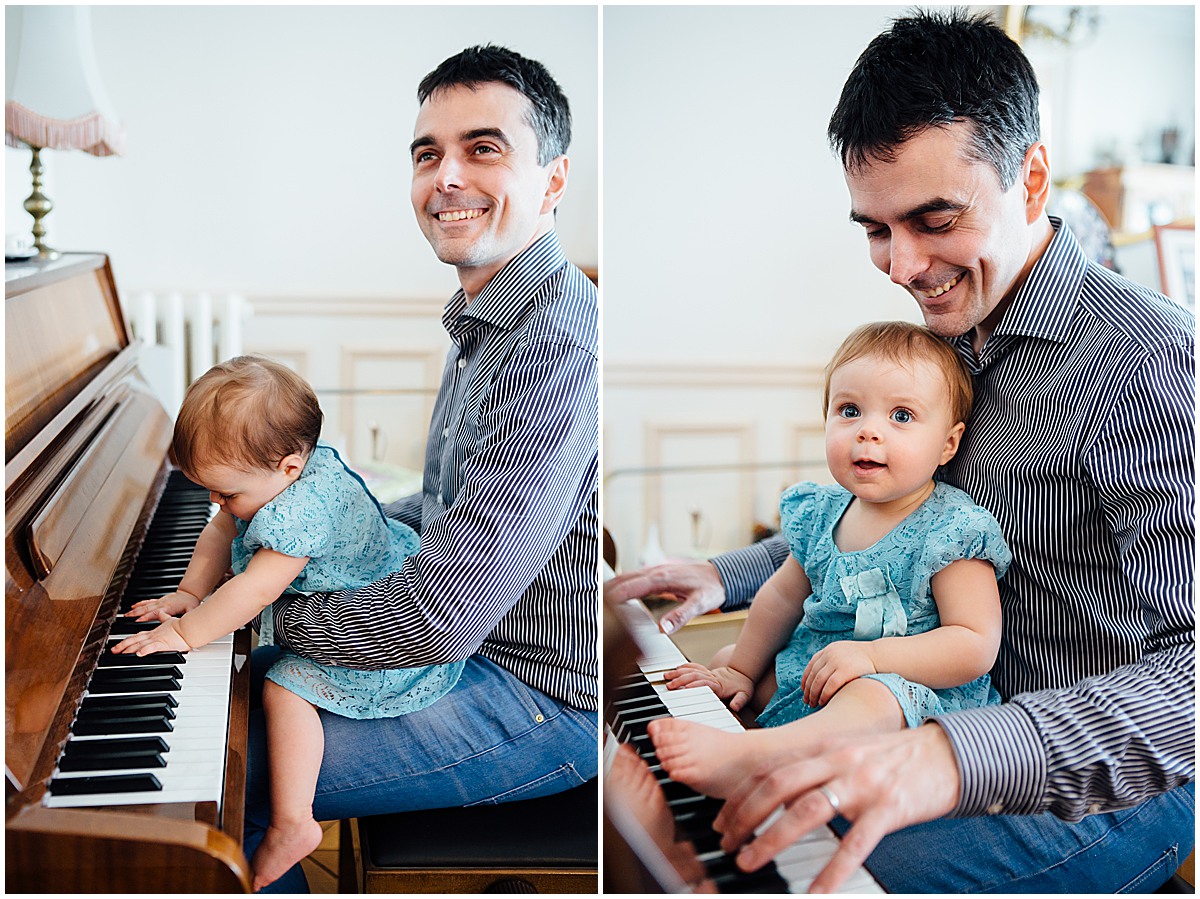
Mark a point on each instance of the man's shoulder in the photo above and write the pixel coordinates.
(565, 310)
(1143, 318)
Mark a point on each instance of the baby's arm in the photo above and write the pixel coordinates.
(961, 649)
(209, 562)
(776, 610)
(235, 603)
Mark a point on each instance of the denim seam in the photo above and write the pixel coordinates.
(1133, 885)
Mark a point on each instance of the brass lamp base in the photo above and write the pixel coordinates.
(38, 205)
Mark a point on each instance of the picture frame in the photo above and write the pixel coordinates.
(1176, 246)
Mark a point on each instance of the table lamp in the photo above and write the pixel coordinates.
(53, 95)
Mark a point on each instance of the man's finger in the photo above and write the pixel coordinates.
(809, 811)
(852, 852)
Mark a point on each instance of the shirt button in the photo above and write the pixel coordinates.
(462, 363)
(995, 808)
(439, 499)
(1094, 808)
(445, 432)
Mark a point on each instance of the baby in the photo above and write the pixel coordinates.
(292, 519)
(886, 611)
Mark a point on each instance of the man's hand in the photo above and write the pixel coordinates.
(833, 667)
(170, 606)
(164, 638)
(695, 585)
(882, 783)
(728, 683)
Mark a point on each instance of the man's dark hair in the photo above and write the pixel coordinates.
(549, 112)
(931, 70)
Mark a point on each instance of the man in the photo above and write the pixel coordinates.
(1081, 444)
(506, 574)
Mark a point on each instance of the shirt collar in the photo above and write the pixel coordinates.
(1045, 304)
(510, 291)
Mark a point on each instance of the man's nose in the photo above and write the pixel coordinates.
(449, 174)
(907, 259)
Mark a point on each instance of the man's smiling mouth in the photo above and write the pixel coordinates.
(458, 215)
(938, 291)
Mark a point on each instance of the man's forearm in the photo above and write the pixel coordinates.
(1106, 743)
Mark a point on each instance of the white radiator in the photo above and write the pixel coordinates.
(184, 335)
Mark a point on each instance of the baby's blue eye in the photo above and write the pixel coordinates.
(902, 416)
(849, 411)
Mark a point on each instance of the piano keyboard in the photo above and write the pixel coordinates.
(643, 697)
(152, 729)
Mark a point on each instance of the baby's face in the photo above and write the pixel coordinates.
(888, 428)
(242, 493)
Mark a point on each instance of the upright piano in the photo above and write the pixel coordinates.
(123, 774)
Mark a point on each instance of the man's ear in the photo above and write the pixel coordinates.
(556, 184)
(952, 441)
(1035, 173)
(291, 466)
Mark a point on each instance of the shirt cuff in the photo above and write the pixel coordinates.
(1001, 760)
(744, 570)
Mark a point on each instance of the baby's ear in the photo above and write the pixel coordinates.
(291, 466)
(952, 441)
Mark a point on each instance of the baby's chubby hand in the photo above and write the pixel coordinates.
(833, 667)
(170, 606)
(164, 638)
(728, 683)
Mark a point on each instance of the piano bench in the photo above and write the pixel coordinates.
(544, 845)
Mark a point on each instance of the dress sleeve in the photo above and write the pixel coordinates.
(968, 532)
(295, 523)
(799, 518)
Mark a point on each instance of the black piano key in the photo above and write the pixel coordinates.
(117, 675)
(110, 659)
(118, 713)
(123, 627)
(112, 761)
(144, 724)
(121, 744)
(146, 684)
(98, 702)
(113, 783)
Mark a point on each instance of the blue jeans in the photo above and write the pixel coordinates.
(480, 743)
(1133, 850)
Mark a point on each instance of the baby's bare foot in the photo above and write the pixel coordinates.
(709, 760)
(282, 847)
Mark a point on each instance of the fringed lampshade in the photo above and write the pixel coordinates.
(55, 99)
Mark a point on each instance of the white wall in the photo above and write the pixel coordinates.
(731, 270)
(267, 146)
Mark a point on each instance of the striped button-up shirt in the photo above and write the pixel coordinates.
(508, 511)
(1081, 443)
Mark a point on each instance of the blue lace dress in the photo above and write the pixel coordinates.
(328, 515)
(881, 591)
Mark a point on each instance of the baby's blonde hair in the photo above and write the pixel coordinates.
(248, 413)
(905, 343)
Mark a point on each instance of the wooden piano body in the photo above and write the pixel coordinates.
(85, 466)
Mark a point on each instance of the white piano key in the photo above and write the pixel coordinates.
(195, 770)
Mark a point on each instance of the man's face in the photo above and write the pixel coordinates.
(477, 189)
(939, 225)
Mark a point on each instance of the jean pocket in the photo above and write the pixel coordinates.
(562, 778)
(1156, 875)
